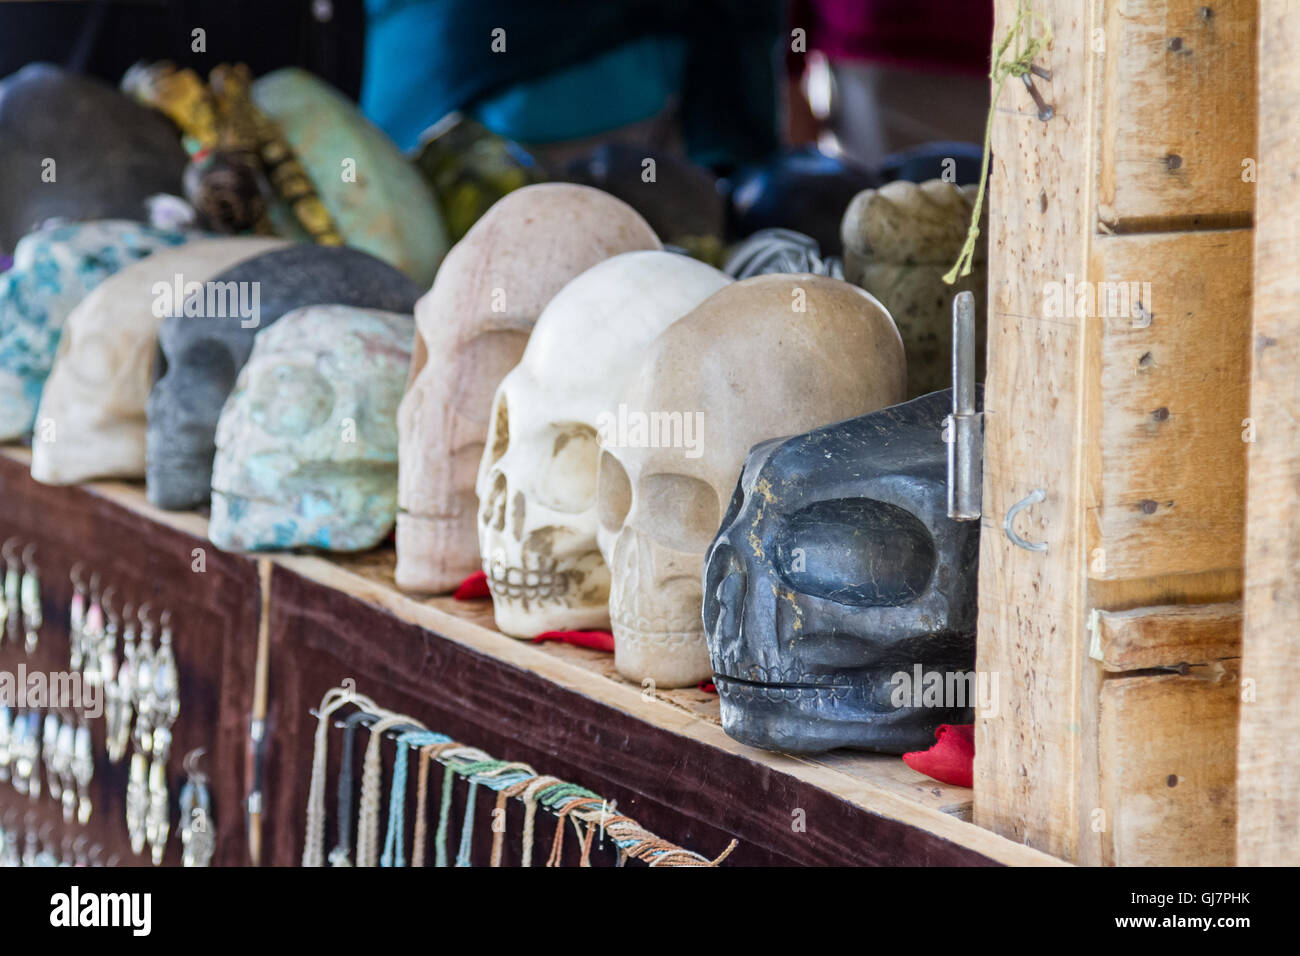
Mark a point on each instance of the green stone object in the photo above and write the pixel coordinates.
(469, 168)
(377, 198)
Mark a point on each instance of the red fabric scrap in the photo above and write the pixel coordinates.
(596, 640)
(951, 759)
(473, 588)
(707, 687)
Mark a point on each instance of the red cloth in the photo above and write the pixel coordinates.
(951, 759)
(596, 640)
(707, 687)
(473, 588)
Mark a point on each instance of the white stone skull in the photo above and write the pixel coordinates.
(769, 356)
(472, 327)
(307, 441)
(96, 393)
(537, 479)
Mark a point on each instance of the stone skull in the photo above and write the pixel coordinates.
(770, 355)
(202, 350)
(96, 393)
(537, 479)
(73, 147)
(839, 597)
(54, 268)
(472, 328)
(307, 441)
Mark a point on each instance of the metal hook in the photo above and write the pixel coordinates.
(1045, 110)
(1033, 498)
(165, 619)
(27, 553)
(77, 581)
(5, 549)
(94, 582)
(191, 764)
(143, 616)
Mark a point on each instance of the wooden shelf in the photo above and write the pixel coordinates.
(664, 755)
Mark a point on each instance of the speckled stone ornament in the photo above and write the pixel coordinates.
(96, 393)
(899, 240)
(53, 270)
(780, 250)
(378, 200)
(204, 347)
(469, 168)
(473, 326)
(307, 441)
(74, 147)
(838, 592)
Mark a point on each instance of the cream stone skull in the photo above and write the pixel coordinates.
(537, 479)
(768, 356)
(472, 327)
(307, 441)
(96, 393)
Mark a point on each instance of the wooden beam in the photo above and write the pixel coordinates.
(1030, 753)
(1268, 823)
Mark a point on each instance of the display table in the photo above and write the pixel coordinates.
(269, 635)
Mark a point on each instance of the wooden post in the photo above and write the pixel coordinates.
(1268, 782)
(1119, 296)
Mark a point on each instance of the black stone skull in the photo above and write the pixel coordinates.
(73, 147)
(835, 571)
(202, 350)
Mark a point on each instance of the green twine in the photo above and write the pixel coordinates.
(444, 811)
(1027, 49)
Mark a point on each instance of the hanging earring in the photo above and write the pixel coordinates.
(198, 831)
(6, 739)
(83, 770)
(65, 748)
(76, 618)
(165, 707)
(11, 590)
(92, 633)
(137, 783)
(30, 599)
(50, 755)
(119, 694)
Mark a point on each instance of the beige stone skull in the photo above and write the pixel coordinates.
(472, 327)
(770, 356)
(93, 405)
(537, 479)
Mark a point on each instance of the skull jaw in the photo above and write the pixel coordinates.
(793, 720)
(241, 523)
(435, 554)
(89, 452)
(179, 484)
(525, 619)
(666, 658)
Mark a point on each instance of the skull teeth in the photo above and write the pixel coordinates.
(518, 584)
(742, 690)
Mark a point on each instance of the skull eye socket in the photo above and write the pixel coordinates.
(689, 507)
(613, 493)
(856, 551)
(569, 477)
(290, 400)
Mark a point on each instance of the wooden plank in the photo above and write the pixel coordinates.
(1029, 755)
(1268, 828)
(1178, 113)
(1168, 770)
(1168, 636)
(1169, 469)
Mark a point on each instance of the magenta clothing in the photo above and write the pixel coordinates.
(938, 35)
